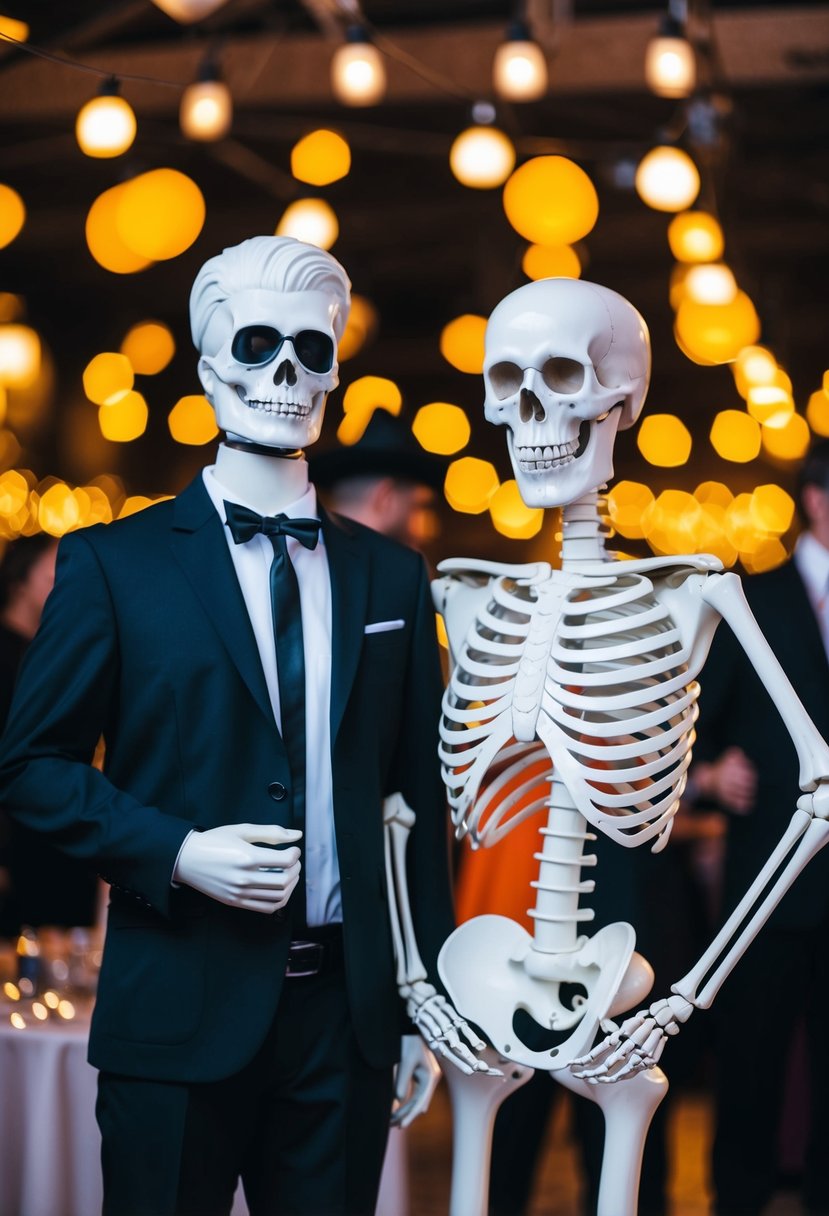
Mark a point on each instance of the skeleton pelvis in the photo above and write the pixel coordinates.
(541, 1010)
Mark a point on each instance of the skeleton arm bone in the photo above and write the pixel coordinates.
(639, 1042)
(436, 1020)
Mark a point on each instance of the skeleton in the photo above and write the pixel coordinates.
(574, 692)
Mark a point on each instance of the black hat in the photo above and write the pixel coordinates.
(387, 449)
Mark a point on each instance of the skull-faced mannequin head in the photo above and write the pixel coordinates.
(567, 364)
(266, 318)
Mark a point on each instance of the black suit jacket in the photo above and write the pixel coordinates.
(146, 640)
(735, 708)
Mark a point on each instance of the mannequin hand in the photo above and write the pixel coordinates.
(415, 1080)
(636, 1045)
(234, 865)
(440, 1025)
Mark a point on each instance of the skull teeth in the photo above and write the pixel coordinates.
(284, 408)
(540, 459)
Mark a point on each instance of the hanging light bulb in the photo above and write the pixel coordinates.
(311, 220)
(667, 179)
(106, 125)
(482, 156)
(670, 66)
(711, 283)
(358, 76)
(519, 70)
(206, 110)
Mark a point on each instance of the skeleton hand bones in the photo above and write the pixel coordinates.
(635, 1045)
(443, 1028)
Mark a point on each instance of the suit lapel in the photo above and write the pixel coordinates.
(200, 546)
(349, 572)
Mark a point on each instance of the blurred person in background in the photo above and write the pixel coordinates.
(38, 885)
(746, 763)
(385, 480)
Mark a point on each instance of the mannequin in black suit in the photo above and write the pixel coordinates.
(746, 761)
(220, 1054)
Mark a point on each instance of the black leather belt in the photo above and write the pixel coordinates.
(317, 951)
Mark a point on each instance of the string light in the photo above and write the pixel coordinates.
(670, 67)
(519, 70)
(105, 126)
(358, 77)
(311, 220)
(550, 200)
(667, 179)
(206, 110)
(482, 156)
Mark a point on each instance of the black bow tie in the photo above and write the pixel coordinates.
(244, 524)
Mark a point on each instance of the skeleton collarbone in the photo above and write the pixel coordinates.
(588, 675)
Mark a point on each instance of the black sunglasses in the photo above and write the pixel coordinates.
(258, 344)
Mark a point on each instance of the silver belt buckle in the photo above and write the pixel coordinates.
(315, 952)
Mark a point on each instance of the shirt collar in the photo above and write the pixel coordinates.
(304, 507)
(812, 561)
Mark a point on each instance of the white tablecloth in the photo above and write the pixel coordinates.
(49, 1141)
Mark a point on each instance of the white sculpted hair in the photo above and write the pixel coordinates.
(270, 263)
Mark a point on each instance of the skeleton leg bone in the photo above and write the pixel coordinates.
(475, 1104)
(628, 1111)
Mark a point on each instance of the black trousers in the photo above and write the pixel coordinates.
(783, 975)
(304, 1124)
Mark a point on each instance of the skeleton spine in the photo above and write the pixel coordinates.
(556, 915)
(583, 531)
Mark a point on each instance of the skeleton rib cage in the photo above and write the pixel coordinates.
(582, 677)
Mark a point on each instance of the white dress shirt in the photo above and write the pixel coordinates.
(252, 562)
(812, 561)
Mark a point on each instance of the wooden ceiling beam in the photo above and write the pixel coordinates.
(784, 46)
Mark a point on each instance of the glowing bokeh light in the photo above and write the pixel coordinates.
(358, 75)
(149, 346)
(462, 343)
(359, 328)
(470, 485)
(510, 514)
(160, 214)
(519, 70)
(710, 283)
(20, 356)
(664, 440)
(550, 262)
(626, 502)
(108, 377)
(667, 179)
(717, 332)
(311, 220)
(715, 493)
(441, 428)
(817, 413)
(12, 214)
(206, 111)
(192, 420)
(482, 157)
(320, 158)
(772, 509)
(550, 200)
(735, 436)
(105, 127)
(789, 442)
(695, 236)
(125, 420)
(104, 239)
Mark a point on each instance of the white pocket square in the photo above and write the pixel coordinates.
(384, 626)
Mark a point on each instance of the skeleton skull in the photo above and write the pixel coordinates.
(567, 364)
(269, 379)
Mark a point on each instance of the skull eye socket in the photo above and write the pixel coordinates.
(506, 379)
(256, 345)
(563, 375)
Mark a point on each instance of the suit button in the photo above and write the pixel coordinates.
(277, 791)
